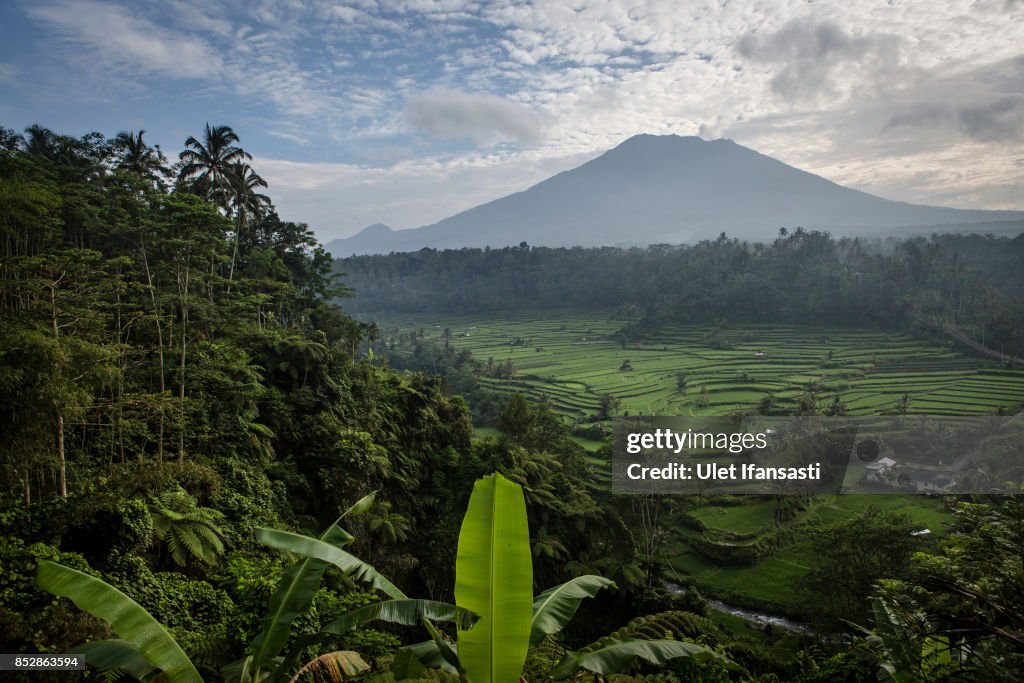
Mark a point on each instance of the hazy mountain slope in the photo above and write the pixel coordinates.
(654, 189)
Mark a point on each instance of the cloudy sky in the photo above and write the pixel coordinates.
(406, 111)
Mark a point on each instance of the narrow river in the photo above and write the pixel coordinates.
(749, 614)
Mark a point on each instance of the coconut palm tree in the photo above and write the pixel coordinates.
(244, 202)
(205, 164)
(40, 141)
(137, 157)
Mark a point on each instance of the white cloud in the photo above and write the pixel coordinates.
(915, 101)
(486, 119)
(128, 43)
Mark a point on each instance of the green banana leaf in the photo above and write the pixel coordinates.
(360, 506)
(125, 617)
(494, 578)
(617, 655)
(317, 549)
(408, 612)
(555, 607)
(446, 650)
(427, 654)
(407, 665)
(117, 655)
(293, 598)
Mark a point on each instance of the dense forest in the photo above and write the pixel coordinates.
(181, 402)
(973, 282)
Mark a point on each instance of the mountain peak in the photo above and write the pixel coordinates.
(653, 189)
(650, 139)
(375, 229)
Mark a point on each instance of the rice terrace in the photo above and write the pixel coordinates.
(573, 360)
(749, 552)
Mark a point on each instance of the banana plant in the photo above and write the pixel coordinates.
(145, 645)
(292, 598)
(554, 608)
(493, 590)
(494, 578)
(398, 609)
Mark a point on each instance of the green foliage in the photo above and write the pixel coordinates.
(971, 278)
(958, 608)
(614, 655)
(554, 608)
(321, 550)
(851, 556)
(674, 625)
(293, 597)
(126, 618)
(187, 530)
(494, 579)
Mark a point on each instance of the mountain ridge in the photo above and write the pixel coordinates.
(667, 189)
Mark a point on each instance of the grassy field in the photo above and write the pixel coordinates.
(570, 360)
(774, 584)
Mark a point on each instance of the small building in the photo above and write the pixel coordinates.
(879, 471)
(881, 465)
(922, 480)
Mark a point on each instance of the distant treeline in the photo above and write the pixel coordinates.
(975, 282)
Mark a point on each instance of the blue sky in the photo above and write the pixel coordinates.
(406, 112)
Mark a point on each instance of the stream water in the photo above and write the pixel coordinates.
(755, 616)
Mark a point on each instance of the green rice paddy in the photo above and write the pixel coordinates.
(570, 360)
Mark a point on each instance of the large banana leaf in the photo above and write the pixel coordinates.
(429, 655)
(315, 548)
(555, 607)
(494, 578)
(117, 655)
(615, 656)
(293, 597)
(126, 618)
(408, 612)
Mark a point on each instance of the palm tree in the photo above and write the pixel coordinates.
(243, 201)
(40, 141)
(206, 164)
(139, 158)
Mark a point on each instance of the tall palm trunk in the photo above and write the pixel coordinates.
(234, 249)
(183, 289)
(62, 479)
(160, 349)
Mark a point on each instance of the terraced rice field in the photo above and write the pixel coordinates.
(570, 360)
